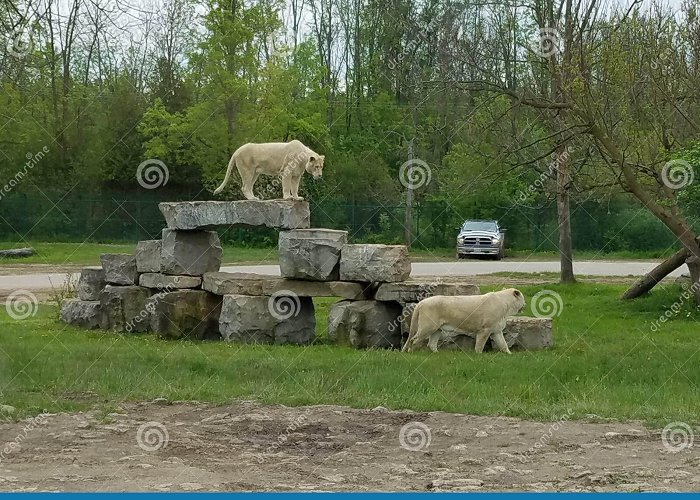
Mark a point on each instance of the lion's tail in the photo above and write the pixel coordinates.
(231, 164)
(412, 331)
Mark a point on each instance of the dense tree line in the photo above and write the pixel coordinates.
(511, 106)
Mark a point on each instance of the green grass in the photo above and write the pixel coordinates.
(607, 361)
(86, 254)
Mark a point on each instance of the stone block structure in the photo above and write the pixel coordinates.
(173, 287)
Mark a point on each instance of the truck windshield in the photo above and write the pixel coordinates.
(480, 226)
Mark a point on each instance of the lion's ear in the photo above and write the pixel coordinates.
(312, 158)
(516, 292)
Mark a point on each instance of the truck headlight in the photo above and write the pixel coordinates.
(460, 240)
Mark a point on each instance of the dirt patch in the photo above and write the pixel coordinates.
(250, 446)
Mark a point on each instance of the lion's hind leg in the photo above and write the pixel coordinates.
(481, 338)
(433, 340)
(249, 175)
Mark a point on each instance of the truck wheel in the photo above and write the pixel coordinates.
(500, 254)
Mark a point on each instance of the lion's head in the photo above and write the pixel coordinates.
(314, 165)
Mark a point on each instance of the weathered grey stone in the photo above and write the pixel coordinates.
(191, 314)
(236, 283)
(365, 324)
(91, 283)
(311, 254)
(267, 320)
(380, 263)
(528, 334)
(281, 214)
(124, 308)
(82, 313)
(190, 253)
(522, 333)
(119, 268)
(167, 282)
(415, 291)
(258, 284)
(148, 256)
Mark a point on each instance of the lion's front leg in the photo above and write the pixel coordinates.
(500, 341)
(296, 180)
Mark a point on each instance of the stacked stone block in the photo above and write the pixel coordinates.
(173, 286)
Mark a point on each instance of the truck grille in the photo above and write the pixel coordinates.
(477, 241)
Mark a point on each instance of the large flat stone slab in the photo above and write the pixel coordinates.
(415, 291)
(311, 254)
(258, 284)
(267, 320)
(380, 263)
(167, 282)
(280, 214)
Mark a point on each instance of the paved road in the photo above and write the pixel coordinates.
(457, 268)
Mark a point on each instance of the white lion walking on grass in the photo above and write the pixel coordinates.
(484, 315)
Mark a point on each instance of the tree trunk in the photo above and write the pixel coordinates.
(653, 277)
(566, 258)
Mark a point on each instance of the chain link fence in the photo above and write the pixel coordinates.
(129, 217)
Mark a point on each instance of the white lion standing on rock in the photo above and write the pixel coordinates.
(287, 160)
(484, 315)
